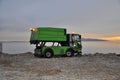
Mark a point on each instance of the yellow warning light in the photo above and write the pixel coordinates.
(33, 29)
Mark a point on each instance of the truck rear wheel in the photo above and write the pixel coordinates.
(48, 53)
(69, 53)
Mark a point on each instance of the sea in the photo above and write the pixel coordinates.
(88, 47)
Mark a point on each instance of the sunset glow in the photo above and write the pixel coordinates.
(115, 38)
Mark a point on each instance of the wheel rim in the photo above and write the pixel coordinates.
(69, 53)
(48, 54)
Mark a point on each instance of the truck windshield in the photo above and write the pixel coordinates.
(76, 38)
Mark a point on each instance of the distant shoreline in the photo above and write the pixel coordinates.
(28, 41)
(92, 39)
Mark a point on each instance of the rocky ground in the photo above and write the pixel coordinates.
(88, 67)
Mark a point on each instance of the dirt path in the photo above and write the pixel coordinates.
(88, 67)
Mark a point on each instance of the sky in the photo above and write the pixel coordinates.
(98, 19)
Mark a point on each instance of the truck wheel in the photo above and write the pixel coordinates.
(69, 53)
(48, 53)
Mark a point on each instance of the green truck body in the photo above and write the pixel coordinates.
(49, 34)
(59, 42)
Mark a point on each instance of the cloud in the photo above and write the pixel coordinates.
(81, 16)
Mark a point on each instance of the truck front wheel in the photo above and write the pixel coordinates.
(69, 53)
(48, 53)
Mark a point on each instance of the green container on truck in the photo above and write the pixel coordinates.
(55, 41)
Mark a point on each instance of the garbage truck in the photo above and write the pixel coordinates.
(51, 42)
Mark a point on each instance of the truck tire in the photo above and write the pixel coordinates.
(48, 53)
(69, 53)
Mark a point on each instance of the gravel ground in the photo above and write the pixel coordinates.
(88, 67)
